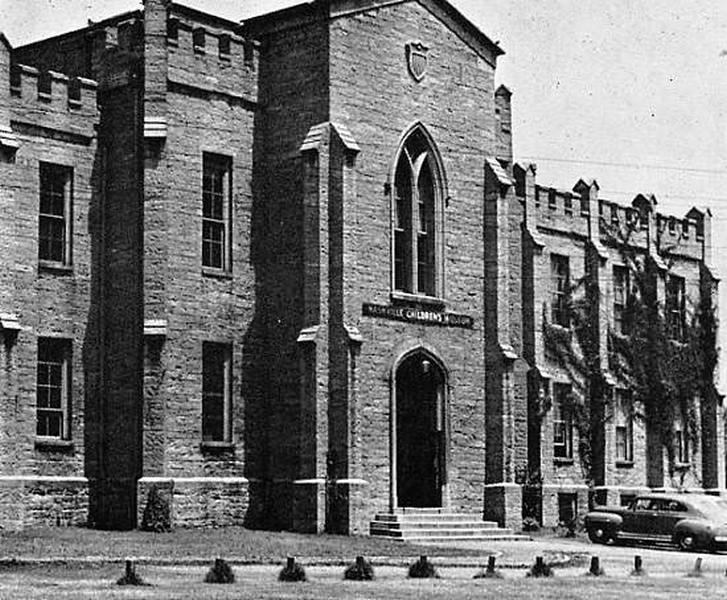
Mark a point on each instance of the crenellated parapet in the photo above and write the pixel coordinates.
(566, 212)
(688, 237)
(52, 101)
(210, 54)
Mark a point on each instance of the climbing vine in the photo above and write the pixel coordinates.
(665, 375)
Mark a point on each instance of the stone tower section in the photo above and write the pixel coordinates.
(49, 312)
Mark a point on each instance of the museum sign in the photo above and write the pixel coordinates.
(410, 314)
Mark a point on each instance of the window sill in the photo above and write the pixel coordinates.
(561, 461)
(624, 464)
(217, 447)
(406, 297)
(54, 445)
(216, 273)
(682, 466)
(54, 267)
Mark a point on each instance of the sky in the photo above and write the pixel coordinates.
(629, 92)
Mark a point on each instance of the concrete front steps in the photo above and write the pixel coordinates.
(438, 525)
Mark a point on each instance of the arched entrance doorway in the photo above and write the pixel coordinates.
(420, 443)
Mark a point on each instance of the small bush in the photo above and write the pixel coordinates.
(422, 569)
(292, 572)
(361, 570)
(567, 529)
(157, 513)
(530, 524)
(221, 572)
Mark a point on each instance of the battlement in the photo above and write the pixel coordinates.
(52, 88)
(204, 34)
(562, 210)
(53, 100)
(125, 35)
(569, 212)
(210, 52)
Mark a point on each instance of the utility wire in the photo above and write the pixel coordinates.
(631, 165)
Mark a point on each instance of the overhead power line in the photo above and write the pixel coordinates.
(629, 165)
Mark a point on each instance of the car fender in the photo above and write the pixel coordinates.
(696, 527)
(605, 519)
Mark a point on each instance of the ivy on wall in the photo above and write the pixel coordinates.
(666, 376)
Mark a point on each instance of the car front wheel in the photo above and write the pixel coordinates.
(687, 541)
(599, 535)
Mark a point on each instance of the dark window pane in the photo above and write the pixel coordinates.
(560, 275)
(212, 418)
(215, 363)
(51, 382)
(55, 182)
(403, 227)
(425, 241)
(215, 210)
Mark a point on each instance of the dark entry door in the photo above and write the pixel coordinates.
(419, 433)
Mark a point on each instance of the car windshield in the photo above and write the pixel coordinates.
(714, 508)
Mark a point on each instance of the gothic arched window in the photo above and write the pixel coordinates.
(417, 222)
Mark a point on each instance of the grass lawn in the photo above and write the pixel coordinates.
(253, 546)
(259, 582)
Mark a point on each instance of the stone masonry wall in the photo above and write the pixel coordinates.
(293, 88)
(369, 47)
(42, 480)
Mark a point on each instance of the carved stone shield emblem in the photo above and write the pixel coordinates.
(416, 59)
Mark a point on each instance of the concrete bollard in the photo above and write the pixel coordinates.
(595, 569)
(130, 577)
(638, 567)
(697, 570)
(130, 572)
(491, 565)
(540, 569)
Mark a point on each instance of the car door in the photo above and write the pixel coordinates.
(668, 515)
(637, 521)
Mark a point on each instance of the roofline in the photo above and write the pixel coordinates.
(302, 9)
(474, 30)
(90, 27)
(311, 7)
(205, 16)
(5, 41)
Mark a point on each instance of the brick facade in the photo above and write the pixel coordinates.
(334, 338)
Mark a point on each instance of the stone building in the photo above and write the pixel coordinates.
(287, 273)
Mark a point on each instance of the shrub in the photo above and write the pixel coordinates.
(530, 524)
(422, 569)
(157, 513)
(221, 572)
(361, 570)
(567, 528)
(292, 572)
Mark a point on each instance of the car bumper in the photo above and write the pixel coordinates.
(719, 542)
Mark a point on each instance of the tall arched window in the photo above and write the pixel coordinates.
(417, 207)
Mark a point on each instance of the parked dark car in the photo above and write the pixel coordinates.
(691, 521)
